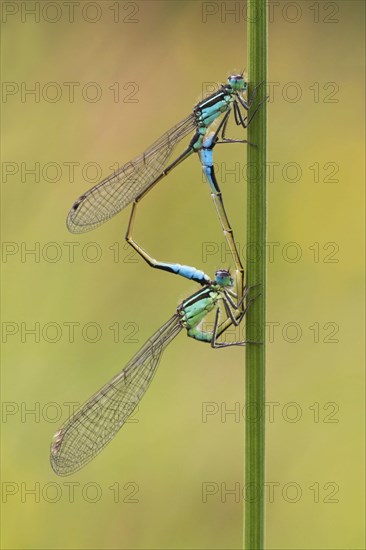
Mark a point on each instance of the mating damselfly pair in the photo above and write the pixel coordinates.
(96, 422)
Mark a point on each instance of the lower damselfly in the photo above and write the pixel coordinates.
(98, 420)
(137, 177)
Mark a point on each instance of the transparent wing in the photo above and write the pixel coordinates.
(96, 422)
(116, 191)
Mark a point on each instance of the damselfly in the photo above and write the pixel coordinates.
(135, 178)
(96, 422)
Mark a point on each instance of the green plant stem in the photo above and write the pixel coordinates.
(256, 273)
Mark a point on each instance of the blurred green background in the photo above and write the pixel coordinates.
(165, 481)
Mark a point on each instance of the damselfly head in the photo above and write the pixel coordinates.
(223, 278)
(238, 82)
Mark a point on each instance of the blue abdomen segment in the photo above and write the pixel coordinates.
(186, 271)
(206, 156)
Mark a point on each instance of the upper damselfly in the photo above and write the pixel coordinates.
(134, 179)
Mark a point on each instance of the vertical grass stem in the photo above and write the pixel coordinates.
(256, 273)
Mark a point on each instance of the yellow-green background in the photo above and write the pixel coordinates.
(170, 52)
